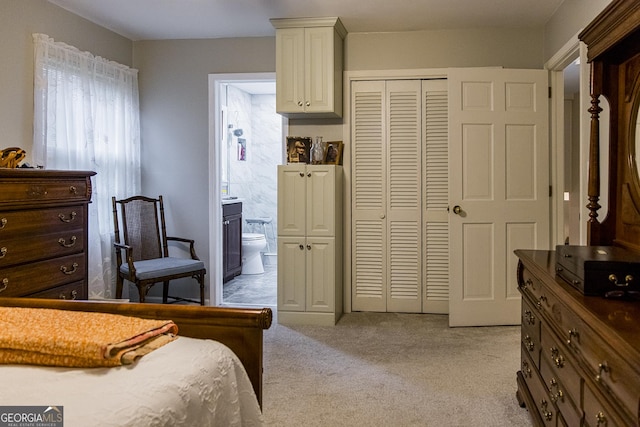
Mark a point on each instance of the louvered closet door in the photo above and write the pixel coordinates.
(436, 196)
(387, 196)
(368, 197)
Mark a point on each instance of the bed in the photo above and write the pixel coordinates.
(176, 384)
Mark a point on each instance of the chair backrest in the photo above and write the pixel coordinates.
(143, 226)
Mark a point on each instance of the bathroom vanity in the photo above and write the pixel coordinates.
(231, 239)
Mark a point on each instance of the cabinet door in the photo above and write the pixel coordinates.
(321, 274)
(321, 200)
(319, 69)
(234, 244)
(290, 70)
(292, 196)
(291, 273)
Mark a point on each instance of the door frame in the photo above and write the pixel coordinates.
(215, 82)
(572, 50)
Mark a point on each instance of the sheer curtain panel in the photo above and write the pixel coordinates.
(86, 117)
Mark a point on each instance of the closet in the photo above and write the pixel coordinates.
(399, 191)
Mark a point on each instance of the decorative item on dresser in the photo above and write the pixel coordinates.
(43, 233)
(580, 338)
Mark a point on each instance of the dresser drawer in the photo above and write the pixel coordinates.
(18, 250)
(560, 365)
(597, 413)
(43, 190)
(545, 408)
(71, 291)
(611, 372)
(36, 221)
(566, 396)
(24, 280)
(531, 331)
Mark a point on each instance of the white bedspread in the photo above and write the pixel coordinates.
(188, 382)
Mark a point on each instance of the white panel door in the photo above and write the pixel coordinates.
(499, 188)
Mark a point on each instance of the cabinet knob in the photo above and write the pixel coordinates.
(4, 284)
(309, 174)
(308, 247)
(308, 103)
(3, 252)
(299, 103)
(3, 222)
(302, 174)
(301, 247)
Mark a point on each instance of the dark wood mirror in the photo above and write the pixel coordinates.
(613, 42)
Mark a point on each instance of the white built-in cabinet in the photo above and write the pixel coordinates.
(310, 244)
(309, 58)
(399, 196)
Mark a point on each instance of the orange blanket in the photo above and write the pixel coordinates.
(49, 337)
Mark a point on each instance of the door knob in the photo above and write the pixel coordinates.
(457, 209)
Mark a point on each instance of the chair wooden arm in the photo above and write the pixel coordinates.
(129, 257)
(191, 242)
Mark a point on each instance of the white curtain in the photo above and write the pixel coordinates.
(86, 117)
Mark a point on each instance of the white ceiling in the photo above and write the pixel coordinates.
(196, 19)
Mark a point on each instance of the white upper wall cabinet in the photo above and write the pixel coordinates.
(309, 55)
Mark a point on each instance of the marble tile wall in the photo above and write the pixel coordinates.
(254, 179)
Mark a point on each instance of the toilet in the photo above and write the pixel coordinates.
(252, 245)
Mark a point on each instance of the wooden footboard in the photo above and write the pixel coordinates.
(240, 329)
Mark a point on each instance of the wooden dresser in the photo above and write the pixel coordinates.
(43, 233)
(580, 354)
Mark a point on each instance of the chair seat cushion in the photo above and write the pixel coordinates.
(161, 267)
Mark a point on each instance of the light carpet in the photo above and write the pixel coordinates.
(390, 369)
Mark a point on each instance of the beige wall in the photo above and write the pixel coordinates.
(18, 20)
(510, 48)
(570, 18)
(174, 110)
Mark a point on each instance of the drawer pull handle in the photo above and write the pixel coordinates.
(559, 395)
(4, 285)
(3, 252)
(528, 342)
(548, 415)
(526, 369)
(601, 420)
(529, 317)
(573, 333)
(602, 368)
(74, 268)
(627, 280)
(557, 358)
(3, 222)
(528, 282)
(541, 300)
(74, 295)
(64, 243)
(73, 189)
(71, 217)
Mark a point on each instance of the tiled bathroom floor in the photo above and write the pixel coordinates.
(253, 289)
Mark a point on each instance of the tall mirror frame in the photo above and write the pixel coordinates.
(613, 42)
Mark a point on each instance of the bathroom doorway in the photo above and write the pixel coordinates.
(248, 147)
